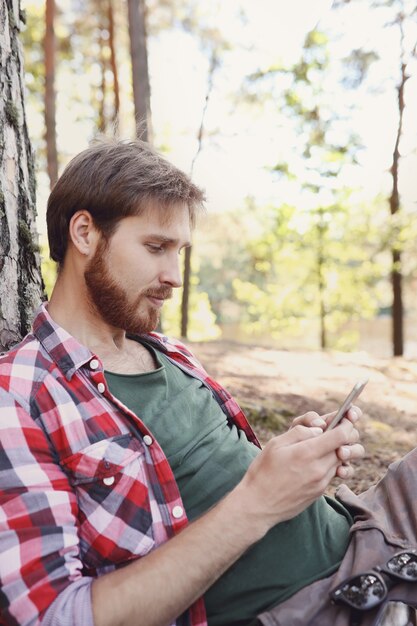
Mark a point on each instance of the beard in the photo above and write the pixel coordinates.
(112, 303)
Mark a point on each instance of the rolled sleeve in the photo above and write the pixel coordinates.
(72, 606)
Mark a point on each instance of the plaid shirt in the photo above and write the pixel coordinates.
(84, 486)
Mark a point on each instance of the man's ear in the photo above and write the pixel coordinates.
(83, 233)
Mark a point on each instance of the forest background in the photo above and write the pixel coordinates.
(299, 121)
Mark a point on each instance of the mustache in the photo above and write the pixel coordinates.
(163, 293)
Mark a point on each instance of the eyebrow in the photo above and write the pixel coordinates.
(167, 240)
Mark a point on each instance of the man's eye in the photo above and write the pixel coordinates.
(155, 249)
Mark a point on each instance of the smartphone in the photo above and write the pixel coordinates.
(350, 398)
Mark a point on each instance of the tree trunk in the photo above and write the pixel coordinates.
(140, 74)
(113, 65)
(394, 201)
(186, 293)
(50, 122)
(321, 280)
(323, 334)
(20, 280)
(101, 27)
(185, 300)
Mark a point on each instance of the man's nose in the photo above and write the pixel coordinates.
(172, 273)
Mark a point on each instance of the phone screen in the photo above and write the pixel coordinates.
(350, 398)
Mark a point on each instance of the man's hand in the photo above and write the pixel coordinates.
(293, 470)
(346, 454)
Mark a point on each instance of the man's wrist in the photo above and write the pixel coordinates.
(244, 515)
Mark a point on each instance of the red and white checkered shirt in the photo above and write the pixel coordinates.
(84, 486)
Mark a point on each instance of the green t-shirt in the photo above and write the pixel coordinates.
(208, 457)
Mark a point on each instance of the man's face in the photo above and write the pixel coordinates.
(133, 272)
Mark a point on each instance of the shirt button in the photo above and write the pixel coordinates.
(177, 512)
(94, 364)
(147, 440)
(108, 481)
(101, 387)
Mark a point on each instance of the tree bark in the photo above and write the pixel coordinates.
(140, 73)
(50, 113)
(21, 286)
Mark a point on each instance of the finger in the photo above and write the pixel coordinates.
(295, 435)
(331, 462)
(331, 440)
(353, 436)
(319, 455)
(353, 414)
(332, 465)
(345, 471)
(355, 452)
(310, 419)
(320, 452)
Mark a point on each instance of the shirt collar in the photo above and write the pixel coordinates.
(68, 354)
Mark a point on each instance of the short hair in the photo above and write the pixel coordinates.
(113, 179)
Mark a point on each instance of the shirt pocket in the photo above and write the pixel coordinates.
(111, 485)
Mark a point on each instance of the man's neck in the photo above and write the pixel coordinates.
(70, 308)
(76, 315)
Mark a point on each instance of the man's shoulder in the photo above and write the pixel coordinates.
(28, 345)
(23, 367)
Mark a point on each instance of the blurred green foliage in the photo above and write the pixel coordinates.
(49, 269)
(274, 270)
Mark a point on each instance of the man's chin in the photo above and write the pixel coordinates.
(143, 327)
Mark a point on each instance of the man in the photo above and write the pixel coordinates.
(113, 438)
